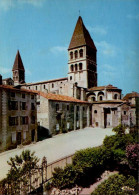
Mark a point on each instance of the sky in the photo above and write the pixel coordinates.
(42, 30)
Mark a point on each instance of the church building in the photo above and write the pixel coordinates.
(76, 101)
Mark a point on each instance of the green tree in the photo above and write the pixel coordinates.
(119, 130)
(20, 171)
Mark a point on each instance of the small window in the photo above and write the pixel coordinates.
(32, 106)
(44, 86)
(12, 94)
(70, 77)
(95, 111)
(29, 87)
(24, 120)
(57, 107)
(77, 108)
(32, 97)
(93, 99)
(115, 96)
(23, 95)
(100, 98)
(36, 87)
(83, 108)
(33, 120)
(23, 105)
(80, 66)
(81, 52)
(75, 67)
(52, 85)
(71, 55)
(124, 112)
(76, 54)
(67, 107)
(71, 68)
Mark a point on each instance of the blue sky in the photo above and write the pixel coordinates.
(42, 30)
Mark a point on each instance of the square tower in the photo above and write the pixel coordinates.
(82, 57)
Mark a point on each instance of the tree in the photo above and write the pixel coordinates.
(20, 171)
(119, 130)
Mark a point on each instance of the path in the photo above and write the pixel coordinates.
(59, 146)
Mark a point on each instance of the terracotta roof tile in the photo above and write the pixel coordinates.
(18, 64)
(131, 95)
(103, 87)
(16, 89)
(63, 98)
(43, 82)
(81, 36)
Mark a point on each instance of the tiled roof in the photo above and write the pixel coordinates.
(7, 79)
(103, 87)
(62, 98)
(43, 82)
(131, 95)
(18, 64)
(9, 87)
(81, 36)
(109, 101)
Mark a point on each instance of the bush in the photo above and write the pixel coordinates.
(132, 155)
(119, 130)
(114, 184)
(118, 142)
(63, 178)
(92, 157)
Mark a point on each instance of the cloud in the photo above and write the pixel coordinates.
(4, 70)
(8, 4)
(58, 49)
(134, 17)
(28, 72)
(97, 30)
(106, 48)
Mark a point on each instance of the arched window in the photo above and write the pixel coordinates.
(93, 99)
(75, 67)
(76, 54)
(71, 68)
(101, 98)
(81, 52)
(71, 55)
(80, 66)
(115, 96)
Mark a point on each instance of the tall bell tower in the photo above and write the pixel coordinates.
(82, 57)
(18, 70)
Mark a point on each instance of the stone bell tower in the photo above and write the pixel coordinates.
(82, 57)
(18, 70)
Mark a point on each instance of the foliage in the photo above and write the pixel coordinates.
(133, 155)
(114, 184)
(20, 170)
(66, 177)
(118, 142)
(119, 130)
(92, 157)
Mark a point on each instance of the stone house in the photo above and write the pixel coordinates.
(18, 124)
(59, 113)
